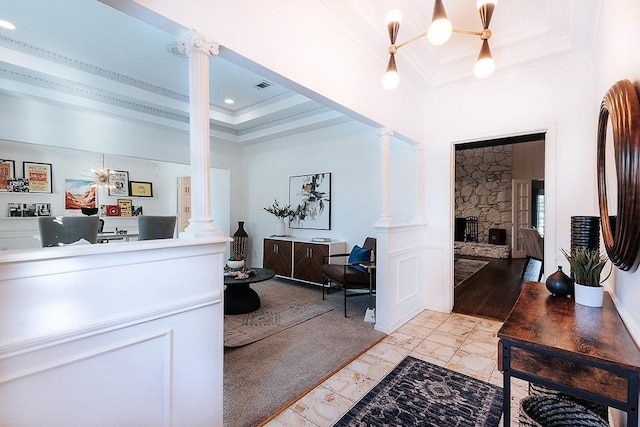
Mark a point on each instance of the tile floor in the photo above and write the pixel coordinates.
(458, 342)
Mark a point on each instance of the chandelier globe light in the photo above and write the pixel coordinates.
(438, 32)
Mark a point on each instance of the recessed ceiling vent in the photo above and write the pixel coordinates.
(263, 85)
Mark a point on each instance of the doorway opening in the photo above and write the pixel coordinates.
(499, 184)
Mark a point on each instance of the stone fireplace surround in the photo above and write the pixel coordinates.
(483, 189)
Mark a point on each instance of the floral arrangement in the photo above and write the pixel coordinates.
(280, 211)
(586, 265)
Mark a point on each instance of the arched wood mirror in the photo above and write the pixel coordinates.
(621, 232)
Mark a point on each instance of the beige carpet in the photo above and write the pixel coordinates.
(465, 268)
(262, 377)
(276, 313)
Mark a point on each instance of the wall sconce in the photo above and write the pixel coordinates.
(438, 33)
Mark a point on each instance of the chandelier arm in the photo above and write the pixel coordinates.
(399, 45)
(473, 33)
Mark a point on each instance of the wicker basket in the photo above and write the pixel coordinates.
(546, 411)
(597, 408)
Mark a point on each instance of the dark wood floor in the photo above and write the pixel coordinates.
(492, 291)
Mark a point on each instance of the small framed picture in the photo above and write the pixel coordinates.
(43, 209)
(125, 207)
(119, 183)
(137, 211)
(140, 189)
(18, 185)
(38, 175)
(15, 209)
(7, 172)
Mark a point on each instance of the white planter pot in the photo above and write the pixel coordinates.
(591, 296)
(280, 228)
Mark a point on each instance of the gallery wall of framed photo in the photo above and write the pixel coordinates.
(147, 187)
(45, 181)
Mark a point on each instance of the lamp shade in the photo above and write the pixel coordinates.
(440, 29)
(485, 65)
(391, 78)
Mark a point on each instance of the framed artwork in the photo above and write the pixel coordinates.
(39, 176)
(43, 209)
(119, 183)
(136, 211)
(310, 199)
(113, 210)
(79, 193)
(125, 207)
(7, 172)
(18, 185)
(140, 189)
(15, 209)
(29, 209)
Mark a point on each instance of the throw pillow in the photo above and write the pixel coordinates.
(357, 255)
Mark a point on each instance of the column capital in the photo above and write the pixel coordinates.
(192, 41)
(386, 131)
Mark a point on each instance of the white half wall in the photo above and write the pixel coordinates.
(90, 348)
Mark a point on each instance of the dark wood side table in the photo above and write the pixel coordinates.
(580, 350)
(239, 298)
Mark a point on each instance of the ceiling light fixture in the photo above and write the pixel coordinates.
(7, 25)
(229, 101)
(438, 33)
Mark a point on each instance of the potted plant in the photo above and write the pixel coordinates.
(280, 212)
(586, 267)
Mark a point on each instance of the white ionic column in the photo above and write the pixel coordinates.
(199, 50)
(385, 214)
(419, 154)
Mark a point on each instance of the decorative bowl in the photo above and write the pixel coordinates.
(89, 211)
(235, 265)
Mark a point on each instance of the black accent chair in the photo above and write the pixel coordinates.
(352, 280)
(534, 248)
(64, 230)
(152, 227)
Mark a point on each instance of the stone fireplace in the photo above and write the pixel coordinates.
(483, 190)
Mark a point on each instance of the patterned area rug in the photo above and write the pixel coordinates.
(274, 315)
(417, 393)
(465, 268)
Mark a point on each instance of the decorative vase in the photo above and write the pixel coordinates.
(559, 284)
(591, 296)
(240, 244)
(280, 228)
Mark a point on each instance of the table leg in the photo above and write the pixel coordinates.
(632, 413)
(506, 386)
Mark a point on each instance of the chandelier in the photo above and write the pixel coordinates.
(438, 33)
(102, 176)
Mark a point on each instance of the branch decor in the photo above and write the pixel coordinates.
(278, 211)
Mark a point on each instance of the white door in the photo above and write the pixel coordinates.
(521, 214)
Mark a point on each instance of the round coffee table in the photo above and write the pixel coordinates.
(239, 298)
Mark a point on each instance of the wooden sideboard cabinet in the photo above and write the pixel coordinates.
(299, 259)
(277, 256)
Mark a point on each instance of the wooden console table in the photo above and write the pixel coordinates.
(583, 351)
